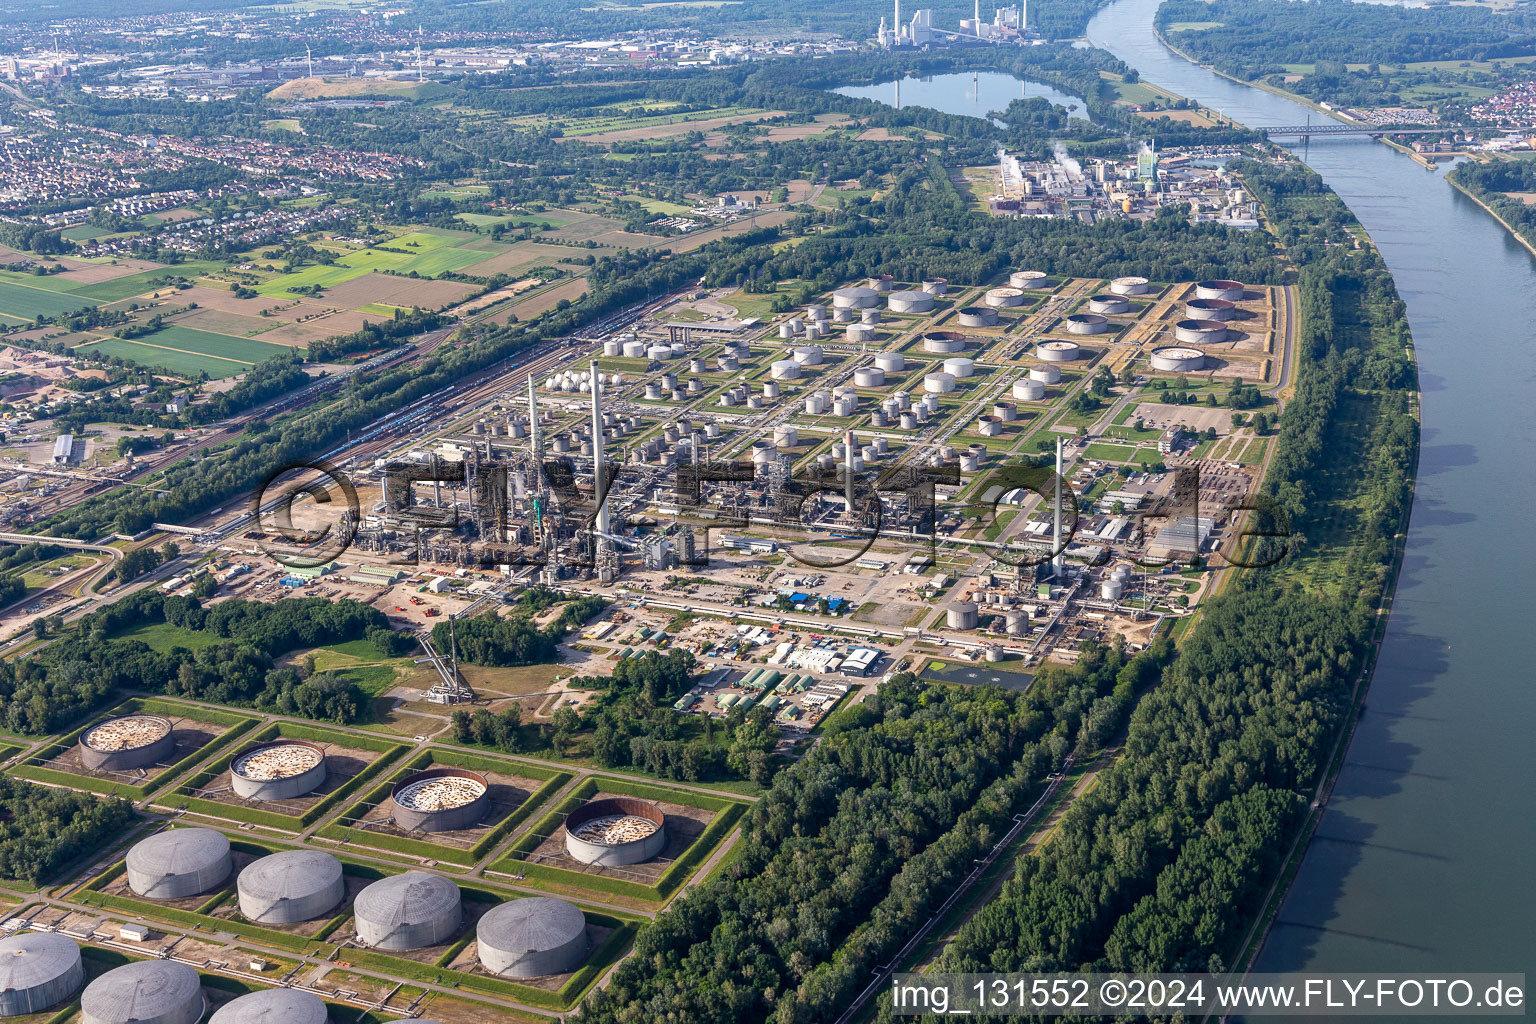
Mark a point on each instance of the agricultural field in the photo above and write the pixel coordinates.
(191, 351)
(24, 302)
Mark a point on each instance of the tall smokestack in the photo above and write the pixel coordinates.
(599, 485)
(535, 442)
(1023, 15)
(896, 26)
(848, 472)
(977, 17)
(1056, 528)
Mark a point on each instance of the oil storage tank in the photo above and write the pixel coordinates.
(532, 937)
(978, 316)
(960, 366)
(856, 297)
(961, 615)
(408, 911)
(280, 770)
(289, 887)
(939, 383)
(784, 369)
(1200, 332)
(273, 1006)
(1003, 297)
(144, 992)
(890, 362)
(615, 831)
(122, 744)
(440, 800)
(1057, 351)
(1209, 309)
(1045, 374)
(1129, 286)
(1086, 323)
(37, 970)
(1109, 305)
(909, 302)
(1028, 279)
(1176, 359)
(869, 377)
(859, 334)
(943, 343)
(1217, 288)
(1028, 390)
(178, 863)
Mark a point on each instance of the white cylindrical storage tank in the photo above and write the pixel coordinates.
(989, 426)
(634, 350)
(807, 355)
(727, 363)
(1177, 360)
(1035, 279)
(845, 405)
(1111, 589)
(126, 743)
(1086, 323)
(1129, 286)
(1200, 332)
(908, 421)
(289, 887)
(786, 330)
(653, 392)
(855, 298)
(786, 436)
(815, 329)
(817, 403)
(978, 316)
(1005, 411)
(961, 615)
(816, 311)
(615, 831)
(869, 377)
(959, 366)
(882, 445)
(1016, 622)
(939, 383)
(408, 911)
(178, 863)
(859, 334)
(274, 1006)
(770, 391)
(879, 419)
(695, 385)
(1217, 288)
(842, 316)
(1045, 374)
(1004, 297)
(659, 352)
(38, 970)
(869, 317)
(147, 991)
(943, 342)
(890, 362)
(1057, 351)
(970, 462)
(902, 399)
(1027, 390)
(826, 461)
(785, 369)
(882, 282)
(936, 286)
(532, 938)
(909, 302)
(1109, 305)
(1210, 309)
(696, 365)
(613, 348)
(280, 770)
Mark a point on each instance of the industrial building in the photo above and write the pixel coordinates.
(290, 887)
(532, 938)
(178, 863)
(412, 910)
(273, 1006)
(440, 800)
(144, 992)
(615, 831)
(280, 770)
(38, 970)
(122, 744)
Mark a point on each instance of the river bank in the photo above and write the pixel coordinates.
(1517, 236)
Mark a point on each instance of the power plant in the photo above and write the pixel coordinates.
(178, 863)
(532, 938)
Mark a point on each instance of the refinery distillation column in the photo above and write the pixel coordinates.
(1056, 531)
(535, 443)
(599, 485)
(848, 472)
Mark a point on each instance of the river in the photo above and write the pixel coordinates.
(1422, 859)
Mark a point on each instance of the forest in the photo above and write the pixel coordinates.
(1490, 182)
(499, 642)
(73, 676)
(43, 828)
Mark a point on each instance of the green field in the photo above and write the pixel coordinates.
(25, 302)
(162, 636)
(428, 253)
(137, 284)
(188, 351)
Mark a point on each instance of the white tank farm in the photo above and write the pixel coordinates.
(1217, 288)
(290, 887)
(1057, 351)
(144, 992)
(785, 369)
(122, 744)
(909, 302)
(860, 334)
(1004, 297)
(1130, 286)
(1200, 332)
(38, 970)
(412, 910)
(960, 366)
(1210, 309)
(532, 938)
(634, 349)
(943, 343)
(978, 316)
(279, 770)
(855, 298)
(613, 348)
(1109, 305)
(1045, 374)
(1175, 359)
(273, 1006)
(869, 377)
(1028, 390)
(890, 362)
(939, 383)
(808, 355)
(1086, 323)
(178, 863)
(1035, 279)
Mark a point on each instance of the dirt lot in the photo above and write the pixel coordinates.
(344, 321)
(220, 322)
(396, 291)
(684, 825)
(518, 257)
(94, 273)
